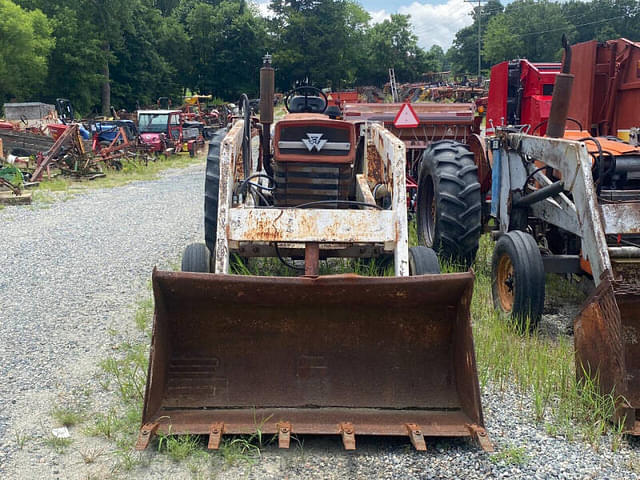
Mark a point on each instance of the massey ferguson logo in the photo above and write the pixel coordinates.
(314, 141)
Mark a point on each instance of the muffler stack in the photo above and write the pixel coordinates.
(344, 355)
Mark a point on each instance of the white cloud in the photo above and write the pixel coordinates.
(433, 24)
(379, 16)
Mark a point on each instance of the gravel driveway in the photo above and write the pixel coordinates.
(70, 275)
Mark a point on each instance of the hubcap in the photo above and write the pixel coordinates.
(505, 283)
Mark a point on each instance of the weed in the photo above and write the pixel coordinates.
(21, 439)
(144, 314)
(58, 444)
(90, 455)
(511, 455)
(68, 416)
(239, 449)
(129, 373)
(178, 447)
(127, 460)
(105, 425)
(541, 367)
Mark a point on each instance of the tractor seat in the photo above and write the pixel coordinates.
(314, 105)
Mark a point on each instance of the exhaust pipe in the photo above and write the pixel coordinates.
(267, 87)
(561, 96)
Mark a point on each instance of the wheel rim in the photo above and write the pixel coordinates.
(505, 283)
(429, 230)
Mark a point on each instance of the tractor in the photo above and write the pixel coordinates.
(342, 354)
(565, 198)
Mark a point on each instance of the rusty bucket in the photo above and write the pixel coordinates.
(607, 342)
(344, 355)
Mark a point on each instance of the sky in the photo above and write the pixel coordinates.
(434, 22)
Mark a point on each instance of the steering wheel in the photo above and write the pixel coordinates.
(305, 89)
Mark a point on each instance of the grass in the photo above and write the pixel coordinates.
(541, 367)
(21, 439)
(59, 445)
(128, 372)
(90, 455)
(180, 447)
(511, 455)
(68, 416)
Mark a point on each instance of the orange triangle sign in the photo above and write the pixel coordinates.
(406, 117)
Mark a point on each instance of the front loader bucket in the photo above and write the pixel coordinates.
(607, 342)
(343, 354)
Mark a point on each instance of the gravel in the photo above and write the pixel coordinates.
(71, 274)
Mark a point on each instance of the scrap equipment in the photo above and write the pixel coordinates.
(569, 202)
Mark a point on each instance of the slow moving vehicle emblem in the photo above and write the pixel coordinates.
(314, 141)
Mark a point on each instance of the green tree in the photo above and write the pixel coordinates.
(463, 56)
(323, 40)
(527, 29)
(392, 44)
(228, 42)
(437, 56)
(147, 66)
(500, 41)
(25, 41)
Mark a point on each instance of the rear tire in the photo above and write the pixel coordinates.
(196, 258)
(449, 206)
(518, 279)
(423, 261)
(211, 190)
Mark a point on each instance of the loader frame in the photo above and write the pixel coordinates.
(244, 229)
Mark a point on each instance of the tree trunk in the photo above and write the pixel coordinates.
(106, 86)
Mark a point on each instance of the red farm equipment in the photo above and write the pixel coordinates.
(162, 131)
(442, 177)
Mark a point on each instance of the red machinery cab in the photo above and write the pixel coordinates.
(520, 93)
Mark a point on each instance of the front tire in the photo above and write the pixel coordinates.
(423, 261)
(196, 258)
(211, 190)
(449, 204)
(518, 279)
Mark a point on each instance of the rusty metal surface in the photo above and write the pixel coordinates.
(375, 168)
(378, 353)
(559, 105)
(607, 85)
(428, 112)
(311, 225)
(241, 223)
(607, 339)
(392, 153)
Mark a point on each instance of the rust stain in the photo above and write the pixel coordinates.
(375, 171)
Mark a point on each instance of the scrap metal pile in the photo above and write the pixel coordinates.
(38, 139)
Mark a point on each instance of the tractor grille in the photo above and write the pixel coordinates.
(298, 183)
(335, 141)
